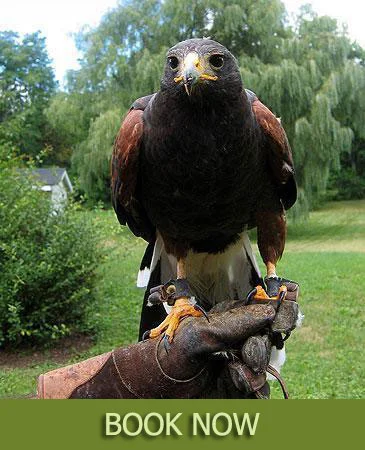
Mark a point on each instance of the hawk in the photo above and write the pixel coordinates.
(194, 166)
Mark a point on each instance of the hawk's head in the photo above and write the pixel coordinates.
(199, 66)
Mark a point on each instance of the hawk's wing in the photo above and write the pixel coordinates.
(279, 154)
(124, 172)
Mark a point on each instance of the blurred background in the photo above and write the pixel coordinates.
(68, 74)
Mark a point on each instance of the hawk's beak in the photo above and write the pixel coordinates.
(193, 69)
(188, 84)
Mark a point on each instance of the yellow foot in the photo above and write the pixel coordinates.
(260, 295)
(182, 308)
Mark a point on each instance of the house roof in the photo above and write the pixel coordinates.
(50, 176)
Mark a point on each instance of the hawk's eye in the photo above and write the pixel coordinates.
(173, 62)
(216, 61)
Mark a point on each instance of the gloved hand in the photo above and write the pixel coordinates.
(248, 370)
(147, 370)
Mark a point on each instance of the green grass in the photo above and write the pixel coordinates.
(325, 254)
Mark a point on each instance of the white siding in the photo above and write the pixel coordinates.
(59, 196)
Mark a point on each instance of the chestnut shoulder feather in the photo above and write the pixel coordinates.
(278, 152)
(125, 172)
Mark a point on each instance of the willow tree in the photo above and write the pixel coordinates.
(91, 159)
(349, 93)
(306, 74)
(308, 89)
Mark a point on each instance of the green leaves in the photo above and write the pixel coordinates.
(47, 262)
(311, 75)
(92, 157)
(26, 84)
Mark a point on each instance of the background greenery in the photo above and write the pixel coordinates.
(308, 72)
(47, 262)
(325, 356)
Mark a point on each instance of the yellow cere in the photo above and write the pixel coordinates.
(205, 76)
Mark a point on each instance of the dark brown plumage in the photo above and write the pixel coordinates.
(203, 159)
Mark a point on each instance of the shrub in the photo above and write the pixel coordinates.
(47, 263)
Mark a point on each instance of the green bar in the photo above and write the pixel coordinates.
(65, 424)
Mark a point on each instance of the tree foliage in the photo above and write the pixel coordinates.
(91, 159)
(47, 262)
(26, 85)
(310, 74)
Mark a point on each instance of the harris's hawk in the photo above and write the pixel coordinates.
(194, 166)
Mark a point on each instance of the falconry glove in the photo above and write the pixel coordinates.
(147, 370)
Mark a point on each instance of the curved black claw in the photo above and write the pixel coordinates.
(286, 336)
(282, 295)
(199, 308)
(251, 295)
(146, 335)
(166, 343)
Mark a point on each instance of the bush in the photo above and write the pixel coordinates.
(47, 263)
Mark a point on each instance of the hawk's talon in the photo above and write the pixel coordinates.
(166, 343)
(259, 295)
(199, 308)
(282, 294)
(250, 295)
(177, 294)
(146, 335)
(286, 336)
(183, 307)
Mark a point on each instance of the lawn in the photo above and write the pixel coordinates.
(325, 254)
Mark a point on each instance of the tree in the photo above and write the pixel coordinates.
(310, 74)
(306, 89)
(349, 93)
(91, 159)
(26, 85)
(124, 57)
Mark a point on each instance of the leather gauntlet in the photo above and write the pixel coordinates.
(147, 370)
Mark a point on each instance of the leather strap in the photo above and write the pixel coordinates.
(276, 374)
